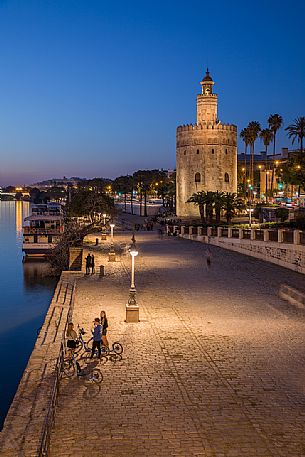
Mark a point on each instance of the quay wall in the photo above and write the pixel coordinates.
(29, 420)
(288, 255)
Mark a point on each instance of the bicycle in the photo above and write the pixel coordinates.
(70, 365)
(114, 353)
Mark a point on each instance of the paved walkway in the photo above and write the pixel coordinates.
(216, 367)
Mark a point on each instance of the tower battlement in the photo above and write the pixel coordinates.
(206, 126)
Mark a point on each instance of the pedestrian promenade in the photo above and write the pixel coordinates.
(215, 367)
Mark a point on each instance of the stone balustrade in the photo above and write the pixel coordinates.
(284, 247)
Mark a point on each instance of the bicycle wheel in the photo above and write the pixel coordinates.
(114, 357)
(95, 376)
(117, 348)
(68, 368)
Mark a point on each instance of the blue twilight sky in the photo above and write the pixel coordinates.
(97, 88)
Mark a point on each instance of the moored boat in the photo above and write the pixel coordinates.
(43, 229)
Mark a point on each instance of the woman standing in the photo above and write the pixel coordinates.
(72, 342)
(104, 324)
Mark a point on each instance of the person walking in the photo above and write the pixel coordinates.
(88, 264)
(104, 324)
(92, 264)
(208, 256)
(97, 337)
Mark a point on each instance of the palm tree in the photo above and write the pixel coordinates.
(244, 135)
(253, 129)
(205, 201)
(218, 199)
(275, 122)
(296, 131)
(232, 204)
(266, 136)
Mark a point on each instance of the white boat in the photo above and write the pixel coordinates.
(43, 229)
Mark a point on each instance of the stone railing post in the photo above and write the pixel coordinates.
(240, 234)
(266, 234)
(253, 234)
(296, 237)
(182, 230)
(280, 235)
(200, 231)
(209, 231)
(190, 230)
(229, 232)
(219, 231)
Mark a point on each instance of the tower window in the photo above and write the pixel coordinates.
(227, 178)
(185, 153)
(197, 177)
(213, 152)
(197, 151)
(226, 151)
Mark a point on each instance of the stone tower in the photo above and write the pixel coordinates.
(206, 153)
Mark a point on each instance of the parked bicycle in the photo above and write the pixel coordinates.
(113, 353)
(70, 367)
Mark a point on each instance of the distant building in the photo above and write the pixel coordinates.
(58, 182)
(206, 153)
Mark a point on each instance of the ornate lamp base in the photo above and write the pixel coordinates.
(132, 308)
(111, 255)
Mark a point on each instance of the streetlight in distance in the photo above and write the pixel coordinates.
(104, 235)
(132, 308)
(111, 257)
(104, 216)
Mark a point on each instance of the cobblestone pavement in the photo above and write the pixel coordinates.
(216, 367)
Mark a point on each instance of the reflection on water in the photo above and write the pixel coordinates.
(26, 292)
(36, 274)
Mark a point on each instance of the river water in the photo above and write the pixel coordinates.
(25, 294)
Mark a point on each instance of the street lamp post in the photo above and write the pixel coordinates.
(104, 235)
(132, 307)
(111, 257)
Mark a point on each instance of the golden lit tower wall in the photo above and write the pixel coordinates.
(206, 153)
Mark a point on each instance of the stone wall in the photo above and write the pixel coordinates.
(31, 413)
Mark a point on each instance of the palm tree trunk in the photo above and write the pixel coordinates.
(145, 203)
(141, 198)
(131, 201)
(245, 181)
(125, 201)
(201, 211)
(273, 169)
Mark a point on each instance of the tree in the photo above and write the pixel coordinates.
(245, 136)
(144, 180)
(218, 204)
(232, 204)
(266, 136)
(275, 122)
(296, 131)
(253, 130)
(124, 185)
(205, 202)
(89, 203)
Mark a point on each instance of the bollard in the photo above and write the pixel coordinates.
(102, 271)
(96, 241)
